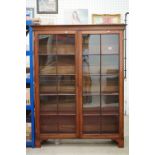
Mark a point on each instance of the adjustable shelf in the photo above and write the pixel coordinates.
(30, 83)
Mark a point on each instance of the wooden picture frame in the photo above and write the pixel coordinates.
(106, 18)
(31, 12)
(47, 6)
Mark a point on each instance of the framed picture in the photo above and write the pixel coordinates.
(30, 11)
(47, 6)
(77, 16)
(106, 18)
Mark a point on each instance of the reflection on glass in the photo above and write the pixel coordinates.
(51, 64)
(91, 104)
(91, 44)
(65, 44)
(49, 124)
(67, 124)
(110, 44)
(91, 64)
(57, 44)
(57, 83)
(66, 84)
(47, 64)
(66, 65)
(110, 104)
(109, 124)
(66, 104)
(47, 44)
(57, 124)
(100, 83)
(110, 64)
(91, 124)
(48, 84)
(109, 84)
(48, 104)
(91, 84)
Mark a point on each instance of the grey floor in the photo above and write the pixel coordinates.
(84, 147)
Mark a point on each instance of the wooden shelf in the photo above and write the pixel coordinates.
(57, 74)
(91, 74)
(55, 54)
(56, 114)
(96, 94)
(100, 54)
(103, 114)
(62, 94)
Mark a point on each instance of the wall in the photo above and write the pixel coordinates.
(94, 7)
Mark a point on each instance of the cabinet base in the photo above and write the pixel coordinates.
(37, 144)
(120, 142)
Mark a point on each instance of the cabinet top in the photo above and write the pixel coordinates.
(79, 27)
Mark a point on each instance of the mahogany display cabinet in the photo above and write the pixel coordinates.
(79, 82)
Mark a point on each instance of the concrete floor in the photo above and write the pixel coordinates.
(85, 147)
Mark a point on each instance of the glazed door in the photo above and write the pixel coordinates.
(57, 84)
(100, 83)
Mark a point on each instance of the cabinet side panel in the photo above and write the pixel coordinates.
(36, 84)
(121, 86)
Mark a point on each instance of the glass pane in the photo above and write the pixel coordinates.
(49, 124)
(109, 84)
(100, 83)
(66, 84)
(110, 64)
(57, 44)
(48, 104)
(91, 124)
(57, 80)
(47, 64)
(67, 104)
(110, 104)
(65, 44)
(47, 44)
(91, 104)
(91, 44)
(91, 84)
(67, 124)
(110, 44)
(110, 124)
(48, 84)
(66, 65)
(91, 64)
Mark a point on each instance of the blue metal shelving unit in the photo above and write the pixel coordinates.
(30, 81)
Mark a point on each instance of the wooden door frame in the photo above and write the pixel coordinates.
(40, 136)
(115, 136)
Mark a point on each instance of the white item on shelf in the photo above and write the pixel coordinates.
(27, 61)
(27, 42)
